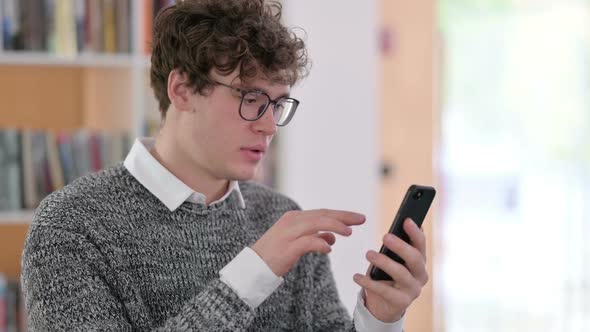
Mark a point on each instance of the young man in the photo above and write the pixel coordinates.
(174, 238)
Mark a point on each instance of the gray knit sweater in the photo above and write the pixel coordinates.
(103, 254)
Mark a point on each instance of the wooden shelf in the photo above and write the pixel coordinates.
(12, 240)
(80, 60)
(68, 98)
(16, 217)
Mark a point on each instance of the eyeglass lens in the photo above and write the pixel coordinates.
(254, 104)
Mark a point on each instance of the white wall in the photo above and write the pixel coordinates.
(329, 152)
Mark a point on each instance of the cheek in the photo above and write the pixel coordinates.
(222, 129)
(228, 113)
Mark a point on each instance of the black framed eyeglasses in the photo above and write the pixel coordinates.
(254, 103)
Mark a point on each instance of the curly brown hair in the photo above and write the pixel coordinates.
(196, 36)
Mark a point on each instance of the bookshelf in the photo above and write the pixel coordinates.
(54, 90)
(90, 60)
(16, 217)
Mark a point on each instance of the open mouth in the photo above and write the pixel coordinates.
(253, 154)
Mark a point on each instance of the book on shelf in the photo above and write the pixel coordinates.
(10, 176)
(28, 191)
(94, 27)
(108, 9)
(64, 27)
(34, 163)
(12, 308)
(39, 166)
(11, 29)
(56, 170)
(3, 304)
(123, 30)
(67, 27)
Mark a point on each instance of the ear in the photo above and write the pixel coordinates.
(179, 92)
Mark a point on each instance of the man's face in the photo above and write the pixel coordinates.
(217, 140)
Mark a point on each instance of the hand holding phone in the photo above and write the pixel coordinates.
(415, 206)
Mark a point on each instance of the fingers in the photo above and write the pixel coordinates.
(311, 222)
(311, 243)
(414, 259)
(328, 237)
(314, 230)
(346, 217)
(403, 278)
(392, 295)
(416, 235)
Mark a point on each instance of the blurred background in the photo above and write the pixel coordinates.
(487, 100)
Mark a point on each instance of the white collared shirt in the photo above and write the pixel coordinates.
(169, 189)
(254, 287)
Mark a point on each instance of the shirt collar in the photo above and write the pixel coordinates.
(169, 189)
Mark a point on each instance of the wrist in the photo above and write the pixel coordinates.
(378, 313)
(267, 261)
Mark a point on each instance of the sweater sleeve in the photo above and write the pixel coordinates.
(64, 278)
(328, 312)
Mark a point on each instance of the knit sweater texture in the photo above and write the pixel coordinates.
(104, 254)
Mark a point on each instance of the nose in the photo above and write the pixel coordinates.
(266, 124)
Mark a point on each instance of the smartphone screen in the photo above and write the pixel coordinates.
(415, 206)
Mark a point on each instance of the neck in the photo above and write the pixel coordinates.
(194, 177)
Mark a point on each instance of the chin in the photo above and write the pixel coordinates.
(244, 173)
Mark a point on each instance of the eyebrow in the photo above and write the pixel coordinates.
(259, 89)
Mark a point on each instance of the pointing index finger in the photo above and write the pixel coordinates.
(347, 217)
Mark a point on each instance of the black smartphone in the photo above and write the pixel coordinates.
(415, 205)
